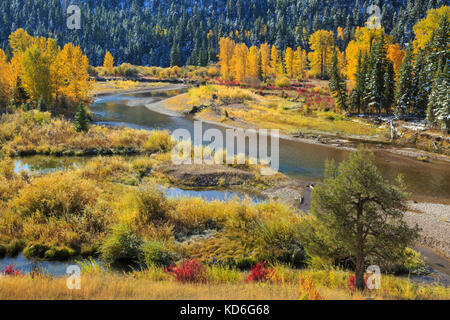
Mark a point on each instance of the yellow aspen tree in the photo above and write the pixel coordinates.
(289, 62)
(300, 63)
(5, 81)
(71, 68)
(424, 29)
(36, 78)
(396, 55)
(226, 50)
(20, 40)
(276, 64)
(239, 61)
(364, 38)
(108, 63)
(322, 44)
(254, 61)
(265, 60)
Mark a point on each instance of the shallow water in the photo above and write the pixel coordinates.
(20, 262)
(47, 164)
(297, 159)
(209, 195)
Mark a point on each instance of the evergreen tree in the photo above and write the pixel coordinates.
(419, 86)
(376, 76)
(42, 107)
(81, 121)
(404, 89)
(337, 85)
(439, 102)
(358, 214)
(358, 90)
(388, 88)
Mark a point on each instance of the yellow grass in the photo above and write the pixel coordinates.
(155, 285)
(111, 86)
(274, 112)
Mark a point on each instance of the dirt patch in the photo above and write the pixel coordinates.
(206, 175)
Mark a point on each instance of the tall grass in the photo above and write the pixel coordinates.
(34, 132)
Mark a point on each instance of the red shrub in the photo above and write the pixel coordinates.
(189, 271)
(352, 282)
(260, 273)
(9, 271)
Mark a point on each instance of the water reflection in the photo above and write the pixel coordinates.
(300, 160)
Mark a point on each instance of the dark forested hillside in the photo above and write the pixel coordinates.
(165, 32)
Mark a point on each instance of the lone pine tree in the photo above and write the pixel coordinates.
(360, 213)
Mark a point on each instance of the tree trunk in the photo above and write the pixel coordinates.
(360, 284)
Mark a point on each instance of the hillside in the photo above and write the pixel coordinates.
(144, 32)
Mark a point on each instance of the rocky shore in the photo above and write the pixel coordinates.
(434, 220)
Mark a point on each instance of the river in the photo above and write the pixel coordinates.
(297, 159)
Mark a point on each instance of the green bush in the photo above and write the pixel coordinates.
(152, 204)
(121, 244)
(59, 253)
(2, 250)
(156, 254)
(35, 251)
(14, 248)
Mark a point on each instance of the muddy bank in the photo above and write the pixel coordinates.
(205, 175)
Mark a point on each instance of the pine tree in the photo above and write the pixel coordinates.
(404, 90)
(42, 107)
(376, 75)
(338, 87)
(388, 88)
(358, 90)
(420, 91)
(439, 102)
(81, 121)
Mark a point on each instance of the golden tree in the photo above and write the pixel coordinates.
(275, 62)
(300, 63)
(289, 62)
(265, 60)
(424, 29)
(20, 40)
(226, 49)
(108, 63)
(71, 75)
(36, 73)
(254, 63)
(322, 44)
(239, 62)
(364, 39)
(5, 81)
(396, 55)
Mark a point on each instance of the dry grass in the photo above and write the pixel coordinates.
(156, 285)
(113, 86)
(112, 287)
(33, 132)
(311, 111)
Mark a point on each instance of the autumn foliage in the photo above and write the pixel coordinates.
(189, 271)
(40, 69)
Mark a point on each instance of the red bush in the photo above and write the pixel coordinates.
(189, 271)
(260, 273)
(352, 282)
(9, 271)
